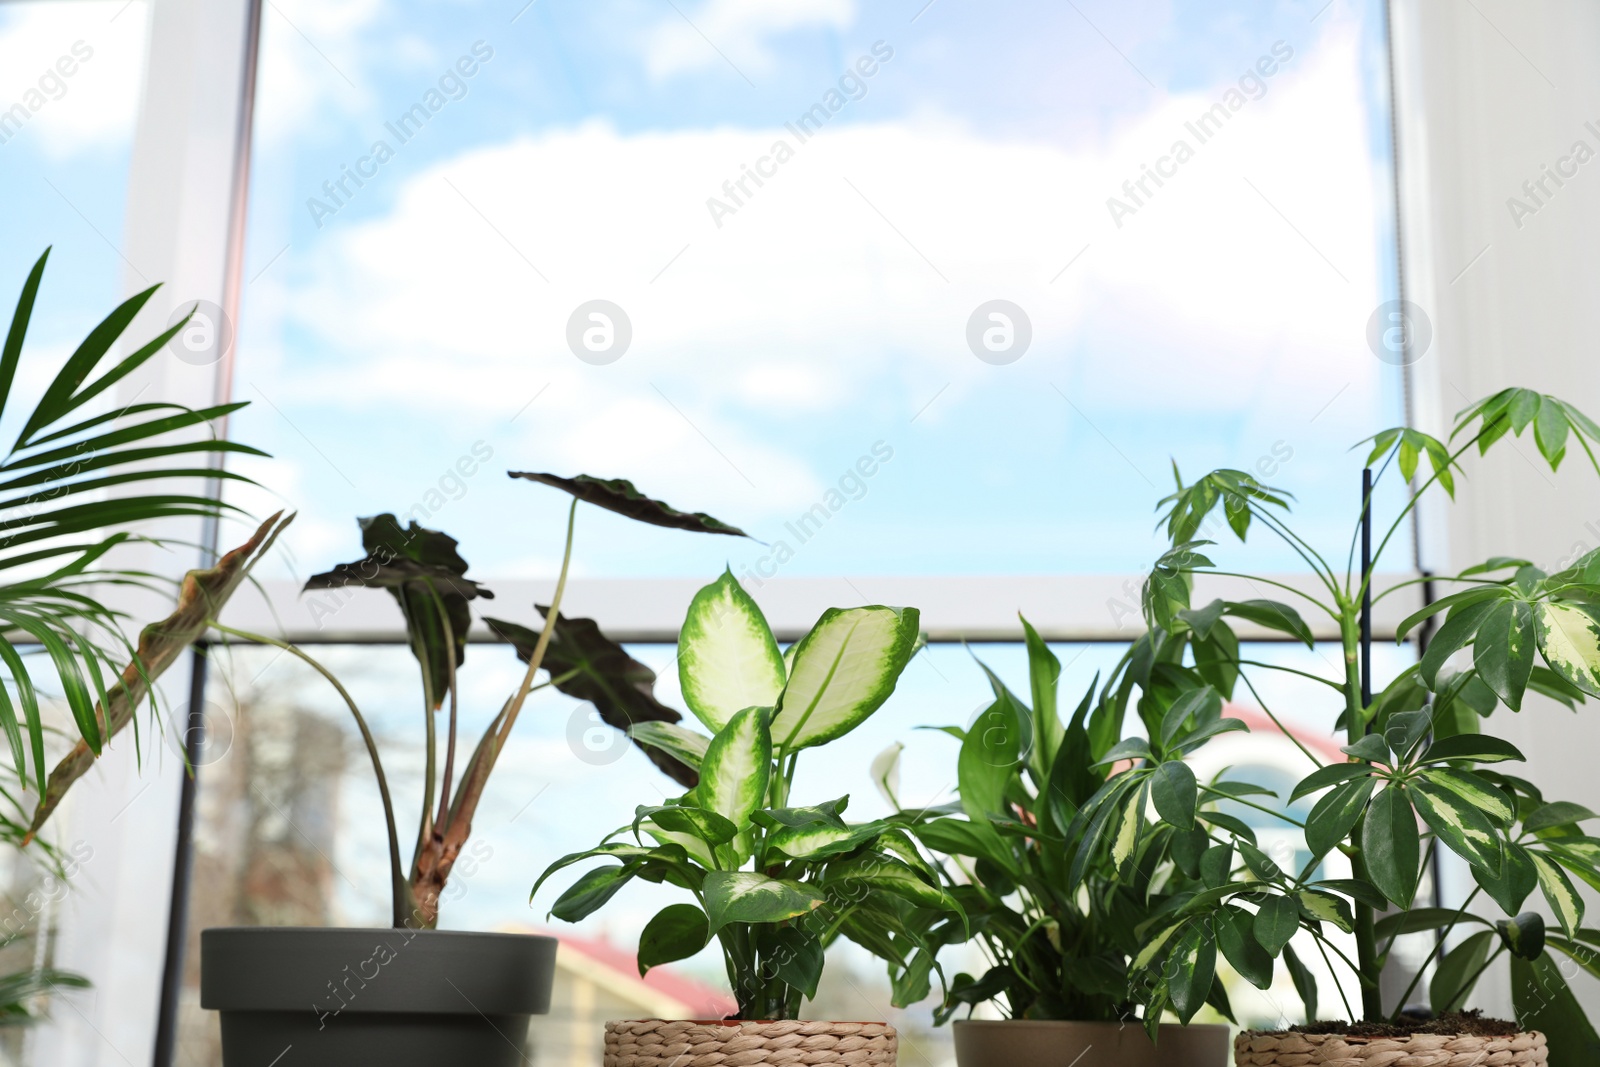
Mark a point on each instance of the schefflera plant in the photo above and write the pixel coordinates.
(773, 881)
(1418, 769)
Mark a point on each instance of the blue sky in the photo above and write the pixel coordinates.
(1221, 324)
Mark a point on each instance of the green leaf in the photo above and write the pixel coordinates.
(1550, 429)
(1273, 616)
(1305, 983)
(1173, 789)
(1517, 879)
(1455, 976)
(1557, 813)
(844, 670)
(799, 959)
(1416, 920)
(1276, 922)
(1129, 748)
(589, 893)
(684, 745)
(1391, 845)
(727, 657)
(1201, 620)
(1559, 892)
(707, 825)
(1204, 705)
(1544, 1002)
(1216, 863)
(1569, 640)
(1335, 815)
(1524, 936)
(1237, 939)
(1466, 597)
(1331, 775)
(1404, 730)
(1190, 968)
(1325, 907)
(747, 897)
(1259, 863)
(884, 872)
(677, 932)
(826, 813)
(1480, 748)
(620, 496)
(734, 773)
(1458, 631)
(1369, 747)
(1461, 826)
(1502, 650)
(1356, 889)
(1044, 673)
(1475, 790)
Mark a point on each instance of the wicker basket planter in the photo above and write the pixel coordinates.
(1416, 1050)
(701, 1043)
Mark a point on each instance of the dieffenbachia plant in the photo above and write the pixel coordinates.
(772, 881)
(426, 576)
(1414, 752)
(1057, 914)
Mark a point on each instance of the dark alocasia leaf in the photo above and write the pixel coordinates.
(621, 688)
(619, 495)
(1391, 845)
(677, 932)
(200, 599)
(427, 577)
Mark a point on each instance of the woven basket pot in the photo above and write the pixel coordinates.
(690, 1043)
(1418, 1050)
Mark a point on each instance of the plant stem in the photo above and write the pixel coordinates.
(1365, 934)
(402, 889)
(1290, 819)
(536, 660)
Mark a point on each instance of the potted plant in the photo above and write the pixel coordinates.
(413, 994)
(1057, 922)
(1418, 774)
(772, 880)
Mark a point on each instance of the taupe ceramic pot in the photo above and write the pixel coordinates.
(1038, 1043)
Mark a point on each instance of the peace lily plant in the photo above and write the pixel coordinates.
(1418, 769)
(775, 882)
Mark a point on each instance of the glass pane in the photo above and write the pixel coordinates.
(70, 78)
(796, 220)
(290, 828)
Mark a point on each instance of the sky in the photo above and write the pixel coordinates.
(780, 334)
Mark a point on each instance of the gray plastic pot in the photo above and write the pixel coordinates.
(1040, 1043)
(310, 997)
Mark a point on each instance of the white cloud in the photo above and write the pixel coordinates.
(102, 43)
(738, 29)
(840, 288)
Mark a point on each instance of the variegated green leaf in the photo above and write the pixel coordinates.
(876, 871)
(820, 839)
(1559, 891)
(727, 658)
(1569, 639)
(1475, 790)
(677, 741)
(735, 771)
(708, 826)
(747, 897)
(1189, 971)
(1327, 908)
(1461, 826)
(844, 670)
(1153, 947)
(1129, 825)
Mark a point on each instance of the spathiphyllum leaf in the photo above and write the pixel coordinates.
(727, 657)
(1391, 845)
(1502, 650)
(1569, 640)
(844, 670)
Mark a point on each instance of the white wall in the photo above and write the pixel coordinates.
(1489, 92)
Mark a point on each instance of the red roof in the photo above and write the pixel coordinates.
(704, 1001)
